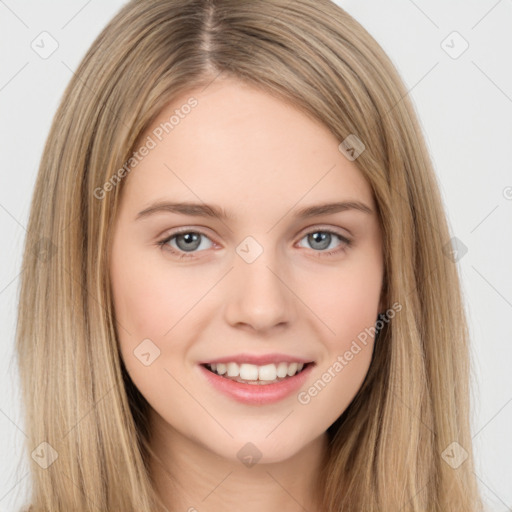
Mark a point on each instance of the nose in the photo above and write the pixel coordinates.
(258, 295)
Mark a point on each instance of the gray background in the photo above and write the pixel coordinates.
(465, 106)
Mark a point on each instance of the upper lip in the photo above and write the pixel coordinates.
(258, 359)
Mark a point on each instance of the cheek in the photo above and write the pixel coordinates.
(149, 297)
(145, 307)
(348, 305)
(157, 300)
(346, 299)
(149, 301)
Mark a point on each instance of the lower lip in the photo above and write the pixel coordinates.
(257, 394)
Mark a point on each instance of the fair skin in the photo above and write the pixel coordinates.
(261, 160)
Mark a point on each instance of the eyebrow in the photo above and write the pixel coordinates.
(216, 212)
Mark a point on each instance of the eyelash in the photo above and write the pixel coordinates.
(346, 243)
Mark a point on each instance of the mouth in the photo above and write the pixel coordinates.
(259, 375)
(257, 385)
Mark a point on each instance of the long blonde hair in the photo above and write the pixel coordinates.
(387, 449)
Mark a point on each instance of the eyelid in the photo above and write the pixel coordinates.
(324, 227)
(170, 233)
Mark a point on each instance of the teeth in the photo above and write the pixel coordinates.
(282, 370)
(233, 370)
(292, 369)
(267, 372)
(252, 372)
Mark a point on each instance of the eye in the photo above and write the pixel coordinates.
(321, 239)
(184, 242)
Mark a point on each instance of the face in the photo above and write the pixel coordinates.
(256, 277)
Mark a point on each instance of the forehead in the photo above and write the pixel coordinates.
(242, 147)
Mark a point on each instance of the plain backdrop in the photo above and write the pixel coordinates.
(455, 58)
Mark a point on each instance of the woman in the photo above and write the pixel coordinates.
(184, 343)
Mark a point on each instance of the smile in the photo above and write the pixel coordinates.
(254, 374)
(256, 385)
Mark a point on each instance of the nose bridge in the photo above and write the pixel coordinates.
(258, 296)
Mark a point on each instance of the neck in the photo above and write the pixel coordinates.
(190, 477)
